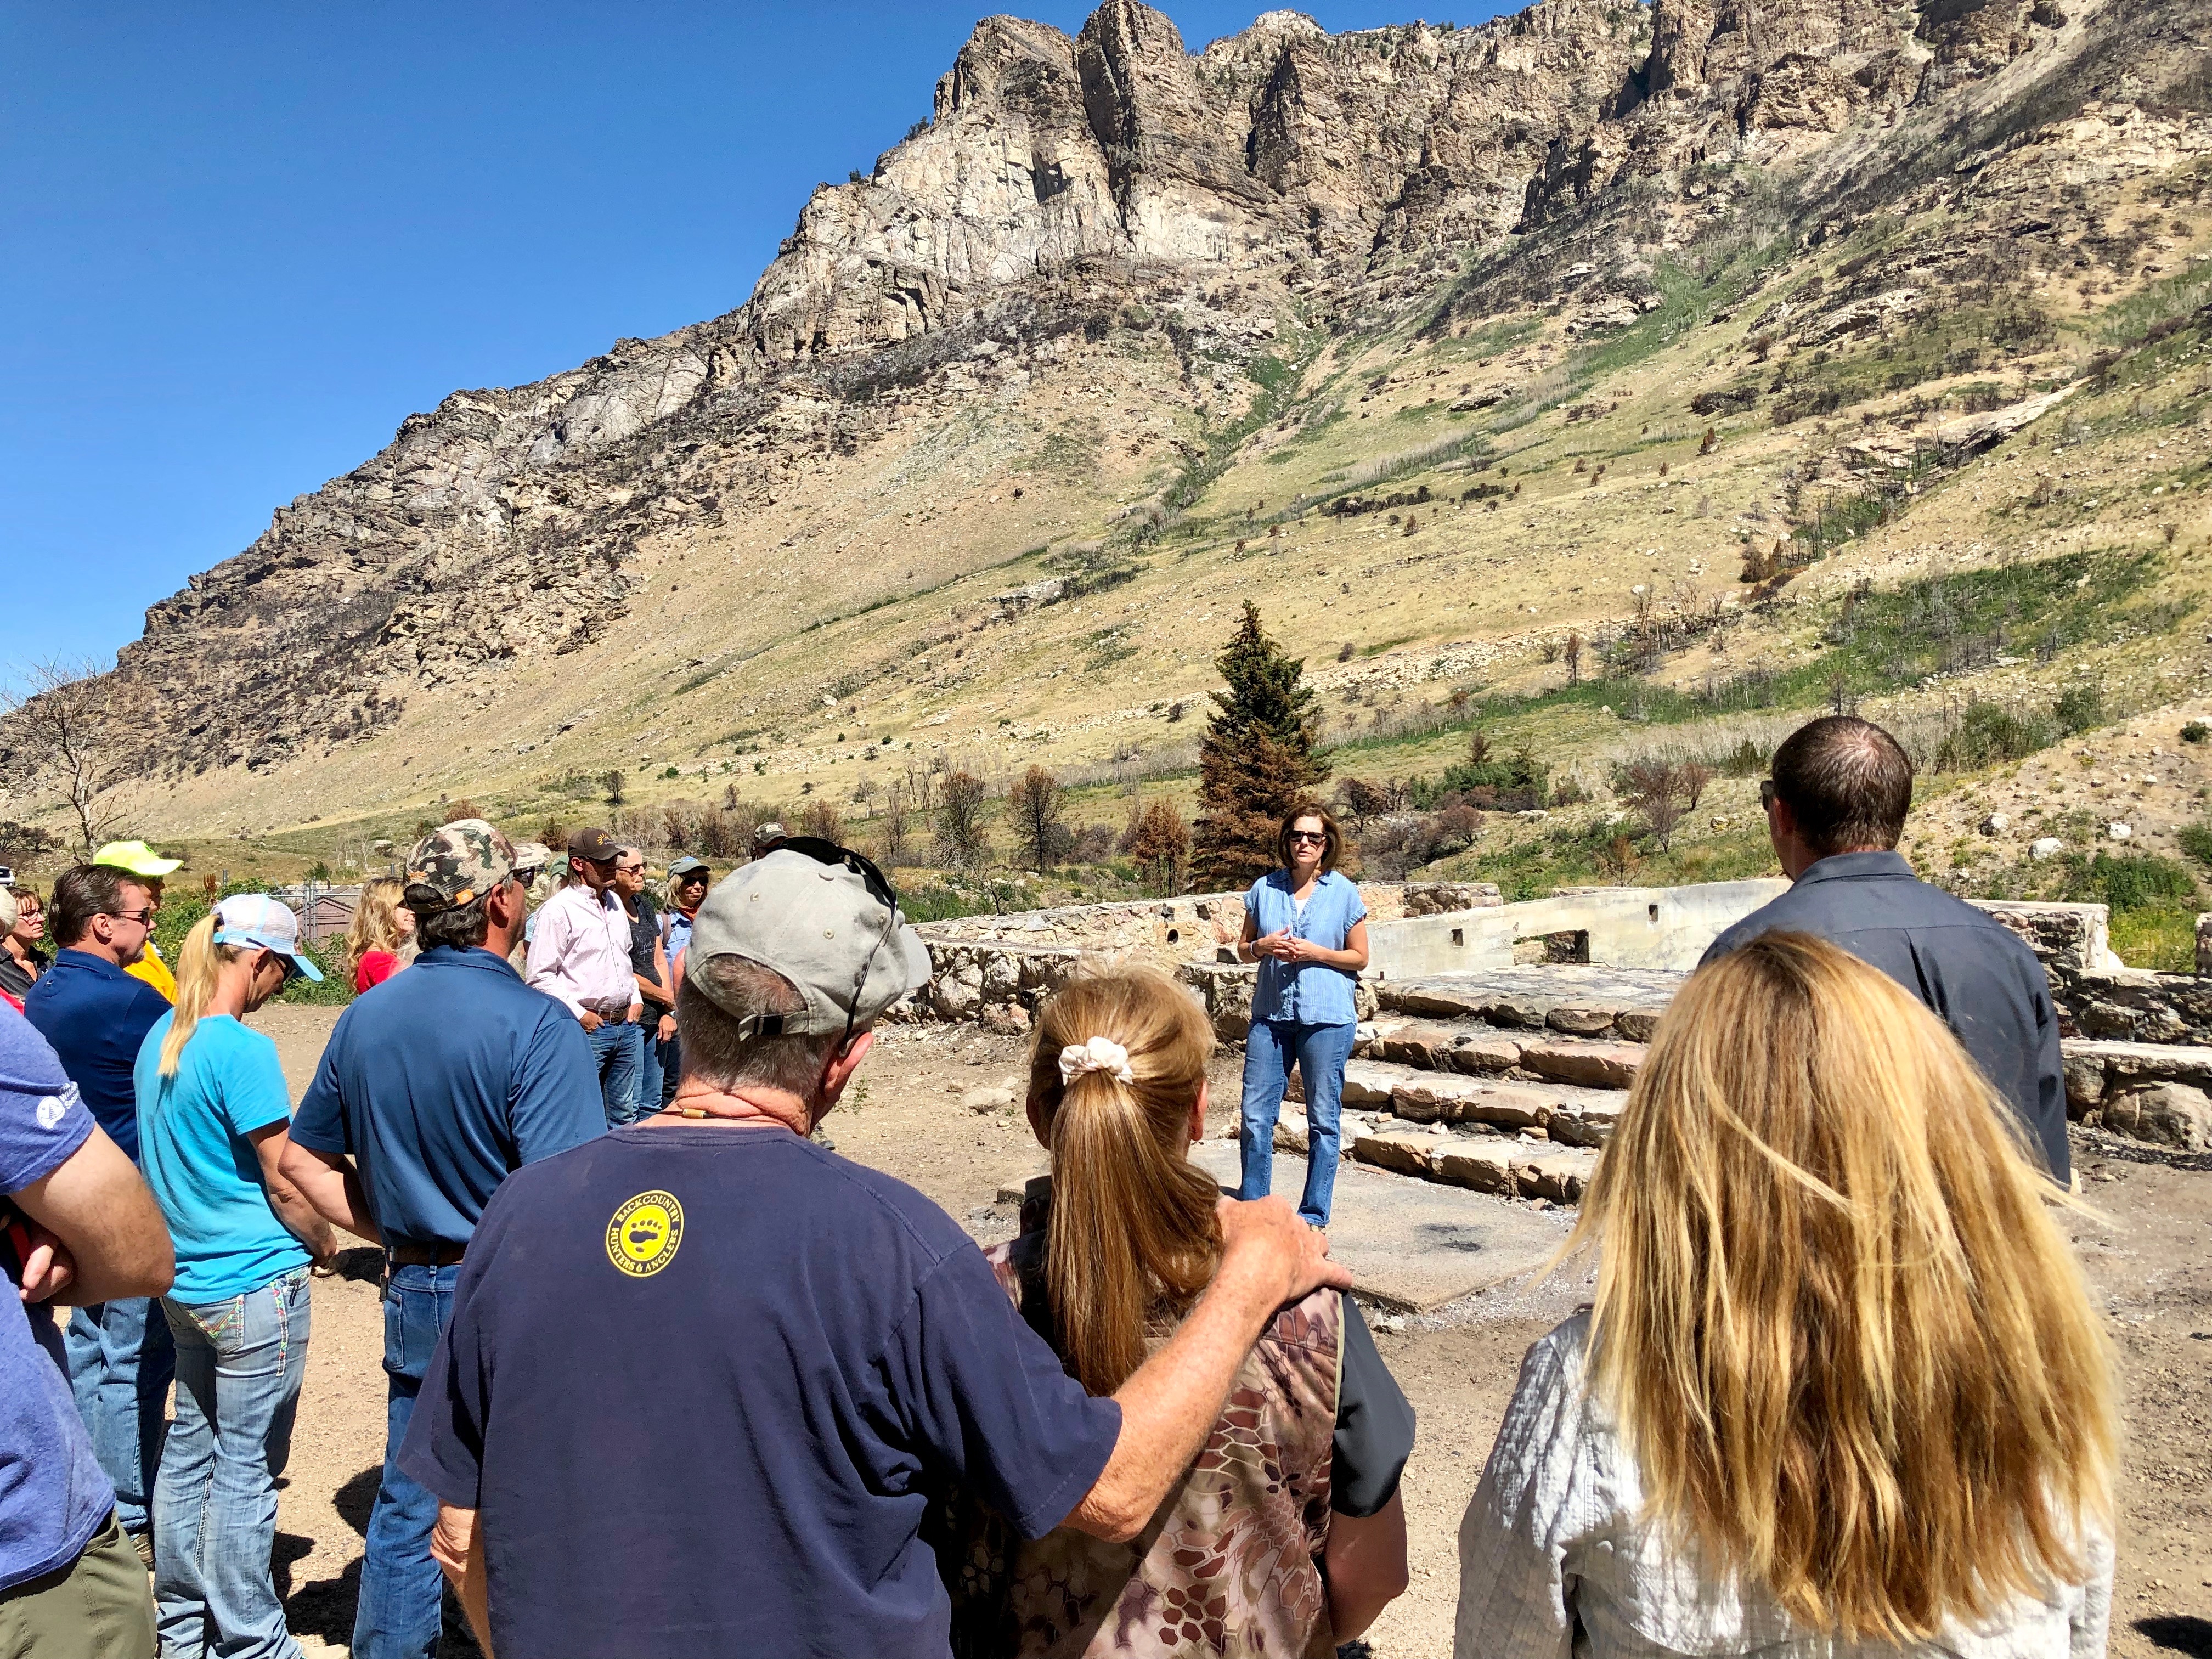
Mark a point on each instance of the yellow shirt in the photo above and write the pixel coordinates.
(156, 972)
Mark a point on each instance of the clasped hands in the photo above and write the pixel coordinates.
(1285, 946)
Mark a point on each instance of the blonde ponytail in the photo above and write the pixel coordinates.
(199, 966)
(1133, 1237)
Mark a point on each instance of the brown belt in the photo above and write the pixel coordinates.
(423, 1255)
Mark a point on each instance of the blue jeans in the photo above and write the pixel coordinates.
(615, 1050)
(402, 1591)
(239, 1365)
(1320, 1052)
(649, 1052)
(120, 1361)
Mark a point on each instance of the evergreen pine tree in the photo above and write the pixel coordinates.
(1257, 761)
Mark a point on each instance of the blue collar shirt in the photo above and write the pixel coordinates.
(1305, 993)
(96, 1016)
(1972, 971)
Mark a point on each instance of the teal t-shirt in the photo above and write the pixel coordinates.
(193, 1150)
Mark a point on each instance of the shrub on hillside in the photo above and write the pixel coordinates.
(2079, 708)
(2195, 840)
(1989, 732)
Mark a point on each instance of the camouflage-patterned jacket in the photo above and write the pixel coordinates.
(1226, 1566)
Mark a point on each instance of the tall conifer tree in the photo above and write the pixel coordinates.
(1257, 758)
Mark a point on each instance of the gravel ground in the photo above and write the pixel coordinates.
(2145, 1247)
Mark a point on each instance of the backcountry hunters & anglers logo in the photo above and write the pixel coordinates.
(642, 1237)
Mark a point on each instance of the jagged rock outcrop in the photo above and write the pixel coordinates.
(1282, 164)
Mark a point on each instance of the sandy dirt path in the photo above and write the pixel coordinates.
(2147, 1252)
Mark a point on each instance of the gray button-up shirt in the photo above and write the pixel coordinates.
(1972, 969)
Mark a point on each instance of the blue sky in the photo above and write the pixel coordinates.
(240, 243)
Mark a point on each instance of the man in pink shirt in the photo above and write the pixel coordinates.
(580, 953)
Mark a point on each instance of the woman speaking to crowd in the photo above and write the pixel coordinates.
(1306, 925)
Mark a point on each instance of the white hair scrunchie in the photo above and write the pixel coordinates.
(1099, 1054)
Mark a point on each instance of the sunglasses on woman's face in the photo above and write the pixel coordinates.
(1306, 835)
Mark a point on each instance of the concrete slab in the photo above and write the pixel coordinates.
(1411, 1244)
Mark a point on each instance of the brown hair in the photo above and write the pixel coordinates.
(1850, 1348)
(1849, 784)
(1133, 1237)
(714, 1051)
(86, 891)
(1330, 849)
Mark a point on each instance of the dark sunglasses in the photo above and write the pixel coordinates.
(1766, 792)
(823, 851)
(1308, 835)
(144, 918)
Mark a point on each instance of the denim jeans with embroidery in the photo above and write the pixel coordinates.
(240, 1362)
(399, 1614)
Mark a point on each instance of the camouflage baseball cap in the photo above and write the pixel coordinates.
(456, 866)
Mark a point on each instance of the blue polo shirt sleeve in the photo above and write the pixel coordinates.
(556, 1102)
(989, 1397)
(320, 1125)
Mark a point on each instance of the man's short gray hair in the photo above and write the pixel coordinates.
(721, 992)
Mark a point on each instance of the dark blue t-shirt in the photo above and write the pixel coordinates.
(95, 1015)
(701, 1384)
(52, 1496)
(441, 1080)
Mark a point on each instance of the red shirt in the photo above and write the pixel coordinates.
(374, 969)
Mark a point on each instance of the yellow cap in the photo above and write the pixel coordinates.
(137, 858)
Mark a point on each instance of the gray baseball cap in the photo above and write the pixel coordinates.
(820, 925)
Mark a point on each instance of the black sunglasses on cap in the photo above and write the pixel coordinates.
(823, 851)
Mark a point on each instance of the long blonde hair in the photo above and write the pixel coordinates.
(375, 925)
(1842, 1334)
(199, 968)
(1133, 1236)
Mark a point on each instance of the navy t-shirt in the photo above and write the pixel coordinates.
(52, 1496)
(701, 1384)
(441, 1079)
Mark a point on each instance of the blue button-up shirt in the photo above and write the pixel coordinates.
(95, 1015)
(1308, 993)
(440, 1082)
(1973, 971)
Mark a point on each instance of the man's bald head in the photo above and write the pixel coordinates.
(1847, 783)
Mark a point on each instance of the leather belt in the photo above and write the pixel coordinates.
(404, 1254)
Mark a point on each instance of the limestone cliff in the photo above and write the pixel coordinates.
(1065, 185)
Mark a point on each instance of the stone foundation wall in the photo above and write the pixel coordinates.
(995, 969)
(2097, 996)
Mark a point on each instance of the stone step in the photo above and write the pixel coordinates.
(1475, 1049)
(2154, 1091)
(1485, 1163)
(1571, 998)
(1562, 1112)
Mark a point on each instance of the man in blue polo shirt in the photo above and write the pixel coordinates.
(434, 1086)
(96, 1015)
